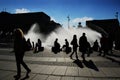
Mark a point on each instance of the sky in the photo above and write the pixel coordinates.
(59, 10)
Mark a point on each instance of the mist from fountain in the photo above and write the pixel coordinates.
(61, 33)
(34, 33)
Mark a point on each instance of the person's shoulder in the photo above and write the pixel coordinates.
(81, 37)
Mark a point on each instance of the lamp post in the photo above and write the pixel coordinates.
(116, 15)
(68, 21)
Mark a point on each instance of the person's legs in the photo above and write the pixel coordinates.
(76, 55)
(25, 66)
(83, 55)
(18, 68)
(71, 54)
(100, 51)
(27, 69)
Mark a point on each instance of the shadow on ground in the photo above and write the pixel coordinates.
(89, 64)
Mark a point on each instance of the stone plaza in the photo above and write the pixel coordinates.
(49, 66)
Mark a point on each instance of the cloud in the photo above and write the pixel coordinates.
(22, 10)
(83, 19)
(53, 19)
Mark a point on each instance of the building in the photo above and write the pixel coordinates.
(107, 27)
(9, 22)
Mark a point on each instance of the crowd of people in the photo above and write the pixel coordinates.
(105, 46)
(83, 45)
(21, 45)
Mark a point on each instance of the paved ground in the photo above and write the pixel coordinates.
(49, 66)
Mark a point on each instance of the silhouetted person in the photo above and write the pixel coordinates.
(104, 45)
(83, 45)
(39, 44)
(75, 45)
(29, 44)
(33, 45)
(117, 44)
(96, 46)
(56, 47)
(110, 44)
(89, 49)
(36, 48)
(66, 47)
(19, 49)
(40, 48)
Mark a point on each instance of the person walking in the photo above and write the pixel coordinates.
(83, 45)
(19, 49)
(75, 45)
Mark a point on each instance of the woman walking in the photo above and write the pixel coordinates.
(19, 49)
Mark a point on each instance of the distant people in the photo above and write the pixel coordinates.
(66, 47)
(117, 44)
(29, 44)
(110, 44)
(95, 46)
(33, 45)
(89, 49)
(39, 43)
(38, 46)
(74, 45)
(83, 45)
(19, 49)
(56, 47)
(104, 45)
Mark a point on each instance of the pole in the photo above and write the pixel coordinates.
(116, 15)
(68, 21)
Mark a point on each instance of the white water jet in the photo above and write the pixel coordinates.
(34, 33)
(62, 34)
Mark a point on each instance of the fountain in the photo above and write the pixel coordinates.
(61, 33)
